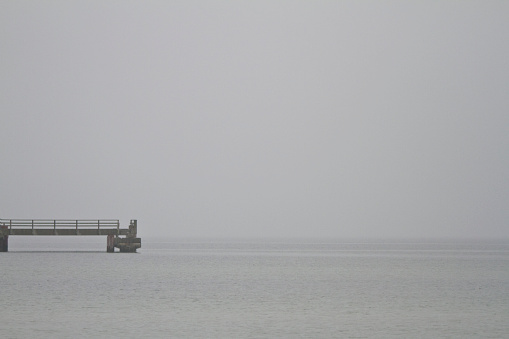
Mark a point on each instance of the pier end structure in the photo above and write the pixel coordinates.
(125, 239)
(131, 242)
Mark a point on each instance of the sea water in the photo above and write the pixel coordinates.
(190, 288)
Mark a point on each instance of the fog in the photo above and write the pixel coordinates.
(258, 118)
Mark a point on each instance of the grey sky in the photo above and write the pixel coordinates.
(258, 118)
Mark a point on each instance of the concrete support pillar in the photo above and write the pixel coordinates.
(4, 239)
(110, 243)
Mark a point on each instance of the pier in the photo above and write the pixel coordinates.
(125, 239)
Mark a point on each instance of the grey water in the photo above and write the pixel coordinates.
(266, 288)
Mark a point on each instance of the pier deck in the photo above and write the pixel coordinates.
(123, 238)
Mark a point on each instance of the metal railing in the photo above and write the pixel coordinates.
(55, 224)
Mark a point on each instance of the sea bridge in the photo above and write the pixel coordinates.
(125, 239)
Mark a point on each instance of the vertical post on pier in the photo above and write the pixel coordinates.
(110, 243)
(4, 238)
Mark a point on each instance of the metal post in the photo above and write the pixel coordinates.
(98, 227)
(54, 227)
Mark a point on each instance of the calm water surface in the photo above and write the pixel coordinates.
(255, 289)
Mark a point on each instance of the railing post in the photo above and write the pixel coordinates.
(118, 227)
(10, 224)
(54, 227)
(32, 224)
(98, 223)
(76, 227)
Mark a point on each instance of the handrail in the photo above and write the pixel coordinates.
(56, 223)
(90, 220)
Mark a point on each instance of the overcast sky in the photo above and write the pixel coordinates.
(258, 118)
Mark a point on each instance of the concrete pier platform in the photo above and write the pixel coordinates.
(125, 239)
